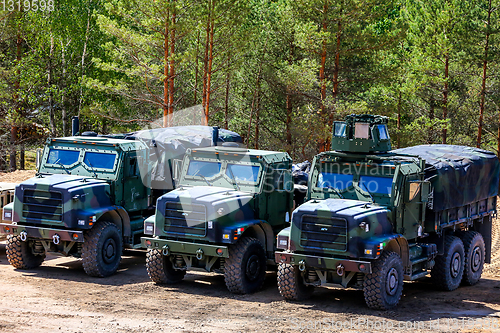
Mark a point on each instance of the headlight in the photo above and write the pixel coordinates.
(148, 228)
(7, 215)
(282, 243)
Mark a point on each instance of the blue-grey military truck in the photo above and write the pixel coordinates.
(223, 217)
(92, 194)
(374, 217)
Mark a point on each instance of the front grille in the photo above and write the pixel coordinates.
(323, 233)
(185, 219)
(42, 205)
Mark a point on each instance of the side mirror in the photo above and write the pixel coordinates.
(38, 160)
(176, 169)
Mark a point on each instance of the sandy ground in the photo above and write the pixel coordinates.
(59, 297)
(17, 176)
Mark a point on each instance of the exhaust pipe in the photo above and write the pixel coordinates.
(75, 126)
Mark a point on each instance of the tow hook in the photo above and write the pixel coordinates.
(23, 235)
(199, 254)
(166, 250)
(56, 239)
(340, 270)
(302, 265)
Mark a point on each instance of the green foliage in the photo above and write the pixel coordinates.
(106, 62)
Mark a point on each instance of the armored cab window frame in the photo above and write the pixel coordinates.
(97, 167)
(57, 165)
(339, 129)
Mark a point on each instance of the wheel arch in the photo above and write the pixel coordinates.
(400, 246)
(120, 218)
(263, 232)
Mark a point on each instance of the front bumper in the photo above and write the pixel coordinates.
(172, 247)
(42, 233)
(320, 263)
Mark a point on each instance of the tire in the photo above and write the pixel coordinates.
(160, 268)
(449, 268)
(245, 269)
(474, 251)
(19, 253)
(291, 284)
(102, 249)
(384, 286)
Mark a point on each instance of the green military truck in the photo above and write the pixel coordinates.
(376, 217)
(87, 200)
(224, 216)
(92, 194)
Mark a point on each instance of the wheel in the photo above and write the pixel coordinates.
(384, 286)
(245, 269)
(449, 268)
(291, 284)
(474, 257)
(160, 268)
(102, 249)
(20, 255)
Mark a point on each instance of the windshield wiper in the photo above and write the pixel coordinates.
(58, 162)
(233, 178)
(204, 178)
(91, 166)
(336, 191)
(369, 193)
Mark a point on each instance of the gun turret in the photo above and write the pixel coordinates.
(361, 134)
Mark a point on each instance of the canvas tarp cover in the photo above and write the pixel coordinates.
(459, 175)
(167, 144)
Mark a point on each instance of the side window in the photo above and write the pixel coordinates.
(133, 168)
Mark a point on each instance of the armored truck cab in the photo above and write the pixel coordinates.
(87, 200)
(224, 216)
(376, 217)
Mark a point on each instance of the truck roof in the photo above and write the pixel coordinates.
(267, 155)
(97, 140)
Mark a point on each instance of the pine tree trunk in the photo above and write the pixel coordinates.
(64, 113)
(483, 84)
(84, 55)
(21, 157)
(322, 78)
(209, 68)
(165, 69)
(13, 141)
(257, 117)
(49, 85)
(399, 122)
(445, 95)
(226, 99)
(196, 70)
(204, 118)
(171, 79)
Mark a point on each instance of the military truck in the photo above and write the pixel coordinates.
(224, 216)
(91, 196)
(375, 217)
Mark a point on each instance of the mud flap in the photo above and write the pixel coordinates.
(484, 228)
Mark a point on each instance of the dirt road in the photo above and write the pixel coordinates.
(59, 297)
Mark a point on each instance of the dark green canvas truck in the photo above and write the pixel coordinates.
(375, 217)
(87, 200)
(224, 216)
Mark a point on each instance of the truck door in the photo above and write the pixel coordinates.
(135, 194)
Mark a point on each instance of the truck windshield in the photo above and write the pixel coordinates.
(334, 180)
(380, 185)
(203, 168)
(63, 156)
(100, 160)
(247, 173)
